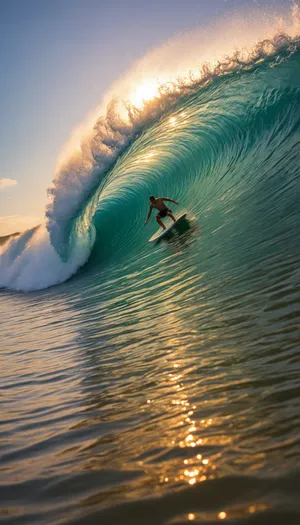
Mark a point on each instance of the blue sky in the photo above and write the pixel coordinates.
(57, 59)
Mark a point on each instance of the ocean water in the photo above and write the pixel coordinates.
(160, 384)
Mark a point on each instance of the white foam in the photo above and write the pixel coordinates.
(30, 262)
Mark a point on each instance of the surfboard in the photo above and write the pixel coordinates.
(160, 234)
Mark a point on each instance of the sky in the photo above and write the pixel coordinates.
(57, 59)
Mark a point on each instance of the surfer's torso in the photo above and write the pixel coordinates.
(159, 204)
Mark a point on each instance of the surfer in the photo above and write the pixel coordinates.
(163, 210)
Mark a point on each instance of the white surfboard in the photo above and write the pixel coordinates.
(161, 233)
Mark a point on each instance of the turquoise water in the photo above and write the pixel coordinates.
(160, 384)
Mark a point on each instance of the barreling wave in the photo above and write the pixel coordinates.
(212, 121)
(112, 133)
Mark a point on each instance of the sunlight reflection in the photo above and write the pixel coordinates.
(199, 469)
(144, 92)
(186, 439)
(147, 157)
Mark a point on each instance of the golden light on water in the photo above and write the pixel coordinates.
(196, 468)
(189, 438)
(191, 473)
(222, 515)
(192, 481)
(190, 463)
(146, 158)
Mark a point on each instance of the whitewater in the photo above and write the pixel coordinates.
(159, 384)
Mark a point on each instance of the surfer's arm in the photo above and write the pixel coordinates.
(148, 216)
(170, 200)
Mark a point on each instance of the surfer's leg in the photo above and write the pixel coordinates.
(170, 214)
(159, 221)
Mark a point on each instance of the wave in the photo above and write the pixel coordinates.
(112, 133)
(135, 144)
(30, 262)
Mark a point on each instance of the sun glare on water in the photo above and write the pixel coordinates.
(144, 92)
